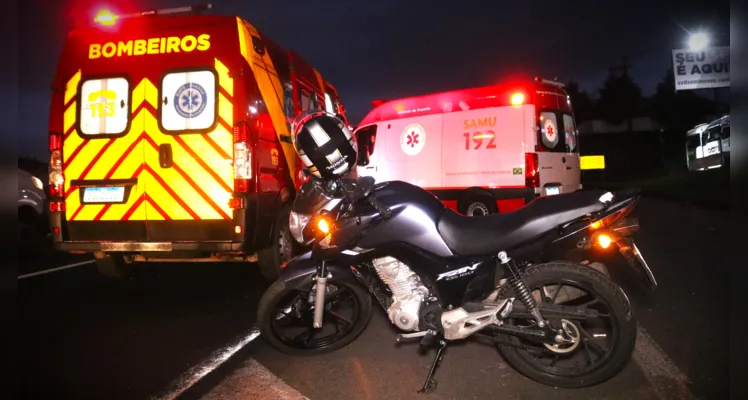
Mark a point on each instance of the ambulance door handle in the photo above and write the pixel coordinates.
(568, 167)
(374, 168)
(165, 156)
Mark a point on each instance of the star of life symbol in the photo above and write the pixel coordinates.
(550, 132)
(413, 139)
(190, 100)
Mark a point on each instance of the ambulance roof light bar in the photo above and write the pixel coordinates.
(105, 17)
(550, 82)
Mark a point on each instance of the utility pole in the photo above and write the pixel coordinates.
(623, 69)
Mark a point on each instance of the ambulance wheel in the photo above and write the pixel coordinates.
(282, 248)
(478, 206)
(113, 266)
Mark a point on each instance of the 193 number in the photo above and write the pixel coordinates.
(479, 138)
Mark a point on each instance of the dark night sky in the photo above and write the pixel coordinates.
(391, 48)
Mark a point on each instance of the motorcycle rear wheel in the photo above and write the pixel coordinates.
(283, 306)
(619, 317)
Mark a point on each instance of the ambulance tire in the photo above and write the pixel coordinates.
(114, 266)
(477, 205)
(282, 246)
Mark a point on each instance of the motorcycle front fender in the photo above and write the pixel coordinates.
(300, 270)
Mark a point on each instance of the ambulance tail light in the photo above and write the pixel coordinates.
(242, 158)
(532, 178)
(56, 176)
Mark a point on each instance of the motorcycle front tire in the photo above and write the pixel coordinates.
(267, 310)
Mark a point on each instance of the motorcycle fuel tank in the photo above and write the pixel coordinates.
(415, 213)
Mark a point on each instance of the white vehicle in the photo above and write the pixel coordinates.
(31, 210)
(482, 150)
(708, 145)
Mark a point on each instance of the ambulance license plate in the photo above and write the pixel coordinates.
(552, 190)
(104, 195)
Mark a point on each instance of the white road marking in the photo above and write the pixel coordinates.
(661, 372)
(194, 374)
(253, 381)
(48, 271)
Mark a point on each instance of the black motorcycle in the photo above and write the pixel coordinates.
(442, 276)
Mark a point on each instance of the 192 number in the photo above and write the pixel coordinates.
(478, 138)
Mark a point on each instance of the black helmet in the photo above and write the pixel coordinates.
(325, 144)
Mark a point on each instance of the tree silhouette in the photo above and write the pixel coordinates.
(682, 110)
(581, 102)
(620, 99)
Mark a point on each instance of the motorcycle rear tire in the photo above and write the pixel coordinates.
(620, 309)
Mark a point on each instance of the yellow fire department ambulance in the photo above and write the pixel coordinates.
(169, 140)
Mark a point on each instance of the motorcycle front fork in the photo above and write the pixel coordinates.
(320, 288)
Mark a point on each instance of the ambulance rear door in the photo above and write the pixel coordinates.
(412, 150)
(484, 148)
(558, 157)
(103, 156)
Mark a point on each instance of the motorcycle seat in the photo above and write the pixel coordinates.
(473, 236)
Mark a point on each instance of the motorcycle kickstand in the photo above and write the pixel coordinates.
(430, 384)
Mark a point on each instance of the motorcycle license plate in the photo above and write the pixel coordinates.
(552, 190)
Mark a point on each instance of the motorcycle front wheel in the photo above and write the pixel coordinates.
(602, 346)
(285, 316)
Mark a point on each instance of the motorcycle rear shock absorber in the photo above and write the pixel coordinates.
(520, 288)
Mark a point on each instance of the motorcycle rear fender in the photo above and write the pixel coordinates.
(299, 270)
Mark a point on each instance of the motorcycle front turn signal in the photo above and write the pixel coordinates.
(323, 226)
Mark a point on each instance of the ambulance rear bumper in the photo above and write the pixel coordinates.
(142, 247)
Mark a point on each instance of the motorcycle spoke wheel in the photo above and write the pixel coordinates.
(595, 338)
(294, 317)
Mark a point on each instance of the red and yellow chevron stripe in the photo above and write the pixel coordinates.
(197, 187)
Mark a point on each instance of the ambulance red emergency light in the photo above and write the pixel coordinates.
(482, 150)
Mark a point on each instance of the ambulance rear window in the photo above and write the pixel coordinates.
(104, 107)
(188, 101)
(570, 133)
(557, 132)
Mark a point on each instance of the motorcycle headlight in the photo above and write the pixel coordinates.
(296, 224)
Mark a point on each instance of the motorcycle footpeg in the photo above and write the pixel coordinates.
(405, 337)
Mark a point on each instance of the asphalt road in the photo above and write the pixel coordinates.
(85, 336)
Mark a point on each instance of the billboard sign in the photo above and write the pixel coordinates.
(703, 69)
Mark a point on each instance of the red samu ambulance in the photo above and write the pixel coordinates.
(169, 140)
(481, 151)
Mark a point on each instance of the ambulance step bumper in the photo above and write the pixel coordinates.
(138, 247)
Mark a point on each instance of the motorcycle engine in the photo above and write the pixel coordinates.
(408, 292)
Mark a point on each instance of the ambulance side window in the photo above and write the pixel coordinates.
(288, 101)
(366, 139)
(188, 101)
(308, 100)
(104, 107)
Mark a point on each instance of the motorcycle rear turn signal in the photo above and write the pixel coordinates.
(604, 240)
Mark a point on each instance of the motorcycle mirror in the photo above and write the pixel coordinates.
(366, 185)
(304, 174)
